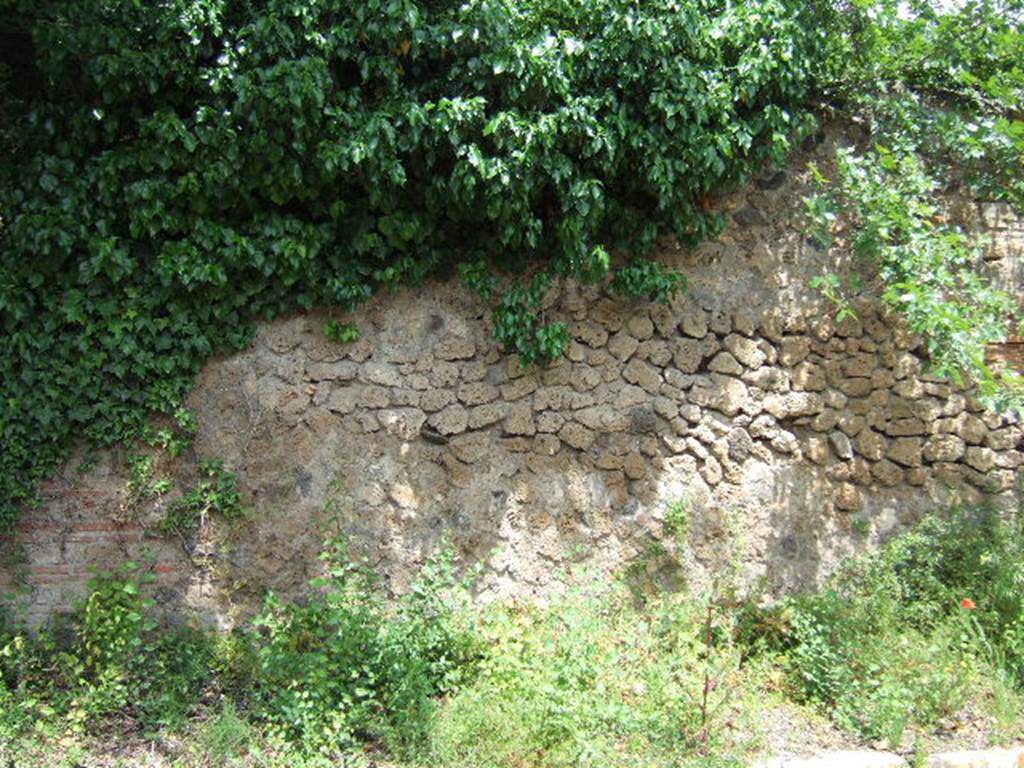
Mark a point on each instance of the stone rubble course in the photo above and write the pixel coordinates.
(792, 438)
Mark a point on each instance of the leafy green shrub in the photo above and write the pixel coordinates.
(876, 677)
(340, 669)
(901, 640)
(335, 330)
(905, 636)
(178, 169)
(109, 658)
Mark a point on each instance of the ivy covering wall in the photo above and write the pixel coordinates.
(177, 169)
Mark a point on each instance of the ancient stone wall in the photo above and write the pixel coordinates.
(789, 439)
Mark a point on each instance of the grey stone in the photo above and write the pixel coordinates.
(643, 375)
(794, 349)
(477, 393)
(847, 497)
(687, 355)
(887, 472)
(981, 459)
(841, 445)
(905, 428)
(906, 451)
(622, 346)
(453, 347)
(642, 419)
(576, 436)
(793, 404)
(870, 444)
(451, 421)
(744, 350)
(724, 362)
(943, 448)
(520, 420)
(694, 322)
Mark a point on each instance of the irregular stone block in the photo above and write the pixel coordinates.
(656, 352)
(860, 366)
(591, 334)
(809, 377)
(477, 393)
(635, 466)
(740, 445)
(981, 459)
(841, 445)
(855, 387)
(744, 350)
(487, 415)
(373, 397)
(453, 347)
(642, 419)
(870, 444)
(643, 375)
(576, 436)
(792, 404)
(905, 428)
(816, 449)
(943, 448)
(622, 346)
(520, 420)
(720, 322)
(906, 451)
(711, 471)
(724, 362)
(549, 421)
(847, 497)
(887, 472)
(435, 400)
(687, 355)
(769, 379)
(451, 421)
(794, 349)
(694, 323)
(519, 388)
(640, 326)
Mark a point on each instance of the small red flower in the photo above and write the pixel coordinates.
(968, 604)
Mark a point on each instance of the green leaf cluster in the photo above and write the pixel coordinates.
(941, 92)
(216, 492)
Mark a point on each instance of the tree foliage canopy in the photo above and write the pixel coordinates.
(178, 168)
